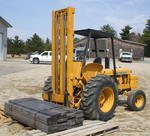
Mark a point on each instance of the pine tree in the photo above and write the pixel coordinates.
(15, 46)
(35, 43)
(48, 45)
(108, 28)
(125, 35)
(146, 38)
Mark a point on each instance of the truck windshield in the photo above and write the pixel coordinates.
(80, 53)
(126, 53)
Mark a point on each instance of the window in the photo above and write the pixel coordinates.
(101, 50)
(126, 53)
(80, 53)
(45, 54)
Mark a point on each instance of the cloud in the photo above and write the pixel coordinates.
(137, 22)
(89, 1)
(76, 2)
(25, 34)
(133, 2)
(89, 14)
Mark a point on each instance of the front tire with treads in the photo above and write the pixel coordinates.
(99, 98)
(136, 100)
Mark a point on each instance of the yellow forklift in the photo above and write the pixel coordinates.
(89, 87)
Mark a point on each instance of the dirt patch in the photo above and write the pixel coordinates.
(19, 84)
(135, 123)
(29, 83)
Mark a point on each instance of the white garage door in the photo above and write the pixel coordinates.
(0, 39)
(1, 45)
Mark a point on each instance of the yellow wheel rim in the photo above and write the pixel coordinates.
(139, 100)
(106, 99)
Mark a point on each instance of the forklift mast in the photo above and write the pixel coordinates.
(67, 74)
(62, 54)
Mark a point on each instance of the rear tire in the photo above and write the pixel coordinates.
(47, 89)
(99, 98)
(136, 100)
(35, 61)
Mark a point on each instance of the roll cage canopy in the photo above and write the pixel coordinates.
(97, 34)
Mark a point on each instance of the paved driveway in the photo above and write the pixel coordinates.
(16, 65)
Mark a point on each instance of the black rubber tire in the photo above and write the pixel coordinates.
(48, 87)
(90, 95)
(132, 98)
(36, 61)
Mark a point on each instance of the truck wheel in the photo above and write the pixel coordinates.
(35, 61)
(99, 98)
(47, 89)
(136, 100)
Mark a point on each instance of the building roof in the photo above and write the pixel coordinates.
(132, 42)
(127, 41)
(2, 20)
(94, 33)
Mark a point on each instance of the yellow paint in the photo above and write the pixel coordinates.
(58, 98)
(54, 52)
(77, 67)
(106, 99)
(91, 70)
(119, 71)
(70, 42)
(45, 96)
(125, 80)
(133, 82)
(71, 77)
(62, 56)
(123, 86)
(139, 101)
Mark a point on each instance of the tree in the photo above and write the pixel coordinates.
(125, 32)
(48, 45)
(146, 38)
(10, 48)
(15, 46)
(35, 43)
(19, 45)
(108, 28)
(135, 37)
(76, 39)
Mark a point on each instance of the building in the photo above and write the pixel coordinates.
(3, 38)
(104, 47)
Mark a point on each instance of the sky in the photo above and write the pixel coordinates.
(34, 16)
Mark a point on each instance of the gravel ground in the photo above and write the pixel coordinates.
(19, 78)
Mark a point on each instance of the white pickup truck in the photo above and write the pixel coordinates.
(126, 56)
(79, 53)
(45, 56)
